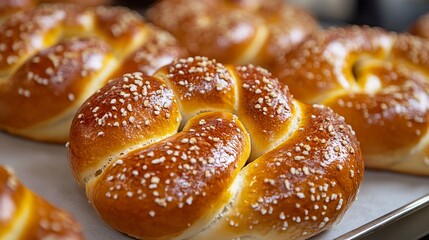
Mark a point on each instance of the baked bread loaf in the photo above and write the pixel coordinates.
(234, 31)
(378, 81)
(279, 169)
(9, 7)
(24, 215)
(52, 58)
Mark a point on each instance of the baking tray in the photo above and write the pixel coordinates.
(44, 168)
(408, 222)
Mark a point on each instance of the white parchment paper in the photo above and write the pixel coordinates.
(44, 168)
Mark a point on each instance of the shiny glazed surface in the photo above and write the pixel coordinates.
(249, 162)
(378, 81)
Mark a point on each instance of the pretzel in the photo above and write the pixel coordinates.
(9, 7)
(24, 215)
(54, 57)
(151, 182)
(378, 81)
(234, 31)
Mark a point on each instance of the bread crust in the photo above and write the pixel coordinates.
(55, 56)
(27, 216)
(9, 7)
(249, 162)
(378, 81)
(234, 31)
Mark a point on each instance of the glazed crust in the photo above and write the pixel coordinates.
(234, 31)
(9, 7)
(250, 160)
(421, 27)
(27, 216)
(378, 81)
(48, 68)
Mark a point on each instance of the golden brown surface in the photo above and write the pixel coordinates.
(9, 7)
(234, 31)
(378, 81)
(277, 169)
(27, 216)
(53, 57)
(421, 27)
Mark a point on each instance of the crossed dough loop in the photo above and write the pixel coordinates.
(234, 31)
(53, 57)
(24, 215)
(150, 181)
(378, 81)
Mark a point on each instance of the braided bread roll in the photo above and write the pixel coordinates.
(150, 181)
(378, 81)
(234, 31)
(54, 57)
(24, 215)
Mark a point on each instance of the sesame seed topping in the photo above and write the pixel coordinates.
(300, 195)
(71, 96)
(189, 200)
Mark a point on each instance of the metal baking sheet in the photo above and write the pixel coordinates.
(408, 222)
(44, 168)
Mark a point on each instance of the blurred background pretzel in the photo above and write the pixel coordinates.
(53, 57)
(9, 7)
(24, 215)
(377, 80)
(234, 31)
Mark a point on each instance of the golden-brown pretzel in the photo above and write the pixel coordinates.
(52, 58)
(234, 31)
(378, 81)
(24, 215)
(150, 182)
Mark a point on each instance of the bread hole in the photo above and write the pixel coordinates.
(98, 172)
(365, 64)
(359, 67)
(355, 71)
(365, 71)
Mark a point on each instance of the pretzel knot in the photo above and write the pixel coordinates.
(54, 57)
(378, 81)
(234, 31)
(150, 181)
